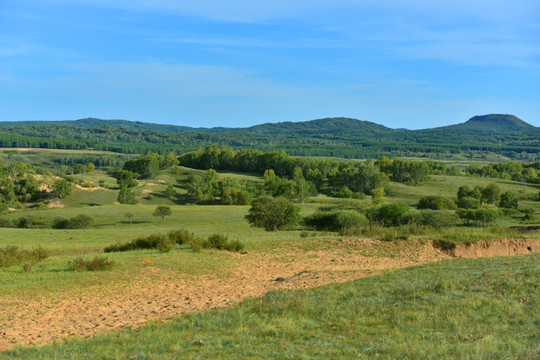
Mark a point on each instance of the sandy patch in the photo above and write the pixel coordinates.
(502, 247)
(157, 294)
(161, 294)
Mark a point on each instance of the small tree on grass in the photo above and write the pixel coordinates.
(61, 188)
(162, 211)
(273, 213)
(130, 216)
(170, 192)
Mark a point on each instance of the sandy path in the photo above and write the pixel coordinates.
(160, 294)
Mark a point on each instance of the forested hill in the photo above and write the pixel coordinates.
(340, 137)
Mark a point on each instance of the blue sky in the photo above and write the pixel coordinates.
(236, 63)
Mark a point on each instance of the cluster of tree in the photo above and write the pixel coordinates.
(18, 186)
(147, 166)
(339, 178)
(211, 187)
(512, 170)
(489, 195)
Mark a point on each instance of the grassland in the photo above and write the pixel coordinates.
(451, 309)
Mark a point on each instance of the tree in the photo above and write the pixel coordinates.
(377, 195)
(491, 194)
(126, 196)
(509, 200)
(273, 213)
(125, 178)
(130, 216)
(170, 192)
(61, 188)
(162, 211)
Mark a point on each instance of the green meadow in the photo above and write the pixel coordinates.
(458, 309)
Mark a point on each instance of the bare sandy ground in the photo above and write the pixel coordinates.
(156, 294)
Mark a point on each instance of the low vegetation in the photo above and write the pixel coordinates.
(460, 309)
(96, 264)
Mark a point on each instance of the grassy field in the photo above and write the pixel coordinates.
(451, 309)
(460, 309)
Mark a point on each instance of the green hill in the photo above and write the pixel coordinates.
(340, 137)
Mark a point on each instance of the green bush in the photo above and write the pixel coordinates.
(389, 214)
(509, 200)
(335, 220)
(155, 241)
(216, 241)
(438, 218)
(12, 255)
(436, 202)
(181, 236)
(468, 202)
(221, 242)
(81, 221)
(96, 264)
(481, 216)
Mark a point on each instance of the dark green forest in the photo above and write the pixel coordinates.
(505, 135)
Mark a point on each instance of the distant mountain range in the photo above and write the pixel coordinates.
(346, 137)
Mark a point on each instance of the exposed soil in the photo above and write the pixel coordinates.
(503, 247)
(157, 294)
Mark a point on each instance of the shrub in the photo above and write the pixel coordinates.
(181, 236)
(468, 202)
(335, 220)
(438, 218)
(155, 241)
(389, 214)
(436, 202)
(304, 234)
(221, 242)
(480, 216)
(6, 223)
(12, 255)
(25, 222)
(509, 200)
(273, 213)
(81, 221)
(96, 264)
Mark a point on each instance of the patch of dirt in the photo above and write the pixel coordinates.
(56, 203)
(502, 247)
(159, 294)
(94, 188)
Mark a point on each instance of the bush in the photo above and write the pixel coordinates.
(389, 214)
(438, 218)
(6, 223)
(482, 216)
(509, 200)
(181, 236)
(273, 213)
(221, 242)
(12, 255)
(335, 220)
(216, 241)
(346, 193)
(96, 264)
(468, 202)
(155, 241)
(81, 221)
(436, 202)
